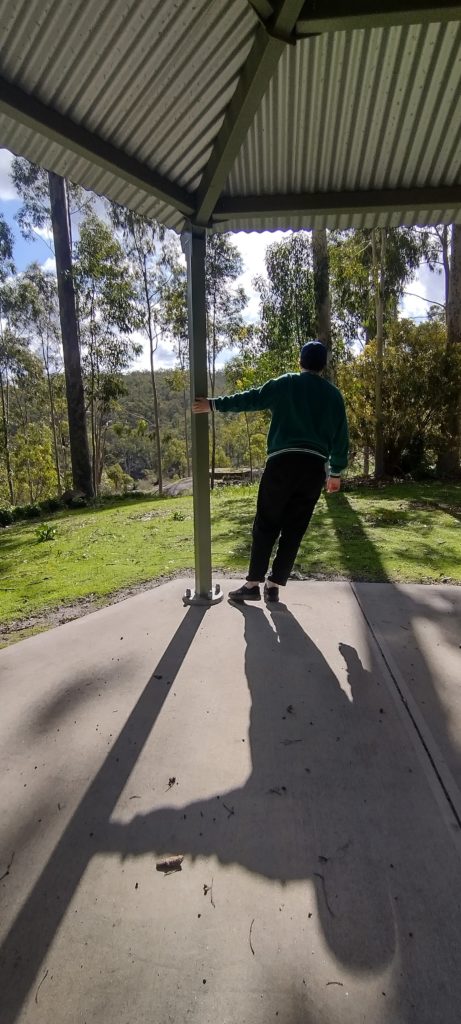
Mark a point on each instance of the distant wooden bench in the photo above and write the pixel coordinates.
(234, 476)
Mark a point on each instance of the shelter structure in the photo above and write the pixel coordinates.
(227, 115)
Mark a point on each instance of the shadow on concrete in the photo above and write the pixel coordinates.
(300, 815)
(33, 931)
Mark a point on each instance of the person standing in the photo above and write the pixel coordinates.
(308, 430)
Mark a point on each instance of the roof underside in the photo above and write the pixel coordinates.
(206, 112)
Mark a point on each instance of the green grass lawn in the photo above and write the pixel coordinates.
(409, 532)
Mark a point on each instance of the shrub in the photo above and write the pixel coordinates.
(6, 515)
(51, 505)
(32, 511)
(119, 480)
(45, 532)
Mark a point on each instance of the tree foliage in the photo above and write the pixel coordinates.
(31, 184)
(109, 314)
(352, 276)
(415, 395)
(224, 308)
(287, 303)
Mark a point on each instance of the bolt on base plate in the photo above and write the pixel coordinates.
(214, 596)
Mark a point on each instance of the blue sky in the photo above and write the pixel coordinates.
(252, 247)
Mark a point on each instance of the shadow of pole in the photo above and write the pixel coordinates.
(31, 934)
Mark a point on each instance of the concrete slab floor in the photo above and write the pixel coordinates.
(280, 752)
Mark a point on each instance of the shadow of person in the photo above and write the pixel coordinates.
(304, 812)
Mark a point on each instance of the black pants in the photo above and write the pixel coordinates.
(288, 493)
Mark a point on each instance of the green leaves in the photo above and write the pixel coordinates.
(225, 304)
(287, 301)
(6, 250)
(45, 532)
(352, 280)
(418, 387)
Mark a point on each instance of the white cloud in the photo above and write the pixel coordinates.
(49, 266)
(46, 233)
(164, 357)
(427, 287)
(7, 189)
(224, 356)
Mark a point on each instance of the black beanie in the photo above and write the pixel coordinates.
(314, 355)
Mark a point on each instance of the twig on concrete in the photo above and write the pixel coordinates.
(39, 987)
(209, 889)
(8, 868)
(336, 983)
(249, 937)
(322, 878)
(288, 743)
(230, 810)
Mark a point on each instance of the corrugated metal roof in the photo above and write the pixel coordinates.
(347, 111)
(358, 110)
(150, 78)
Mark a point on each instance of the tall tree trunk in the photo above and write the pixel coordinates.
(29, 477)
(446, 266)
(449, 458)
(93, 444)
(52, 415)
(158, 443)
(379, 266)
(78, 438)
(454, 294)
(152, 348)
(6, 441)
(322, 287)
(29, 483)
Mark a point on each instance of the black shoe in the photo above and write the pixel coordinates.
(245, 594)
(271, 594)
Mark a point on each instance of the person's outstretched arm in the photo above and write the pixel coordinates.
(254, 400)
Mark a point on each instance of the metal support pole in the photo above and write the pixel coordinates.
(193, 244)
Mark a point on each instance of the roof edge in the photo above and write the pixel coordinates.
(32, 113)
(301, 204)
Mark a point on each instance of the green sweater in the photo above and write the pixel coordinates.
(308, 415)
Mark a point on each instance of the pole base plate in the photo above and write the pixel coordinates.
(214, 596)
